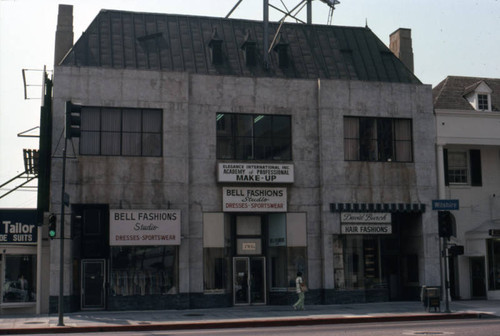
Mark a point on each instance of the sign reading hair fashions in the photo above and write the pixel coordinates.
(366, 223)
(255, 173)
(144, 227)
(254, 199)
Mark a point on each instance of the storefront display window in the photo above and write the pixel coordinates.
(143, 270)
(216, 263)
(357, 262)
(20, 279)
(284, 264)
(493, 246)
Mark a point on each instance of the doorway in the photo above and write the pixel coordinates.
(477, 278)
(249, 280)
(93, 291)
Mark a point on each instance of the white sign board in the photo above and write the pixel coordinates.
(254, 199)
(366, 217)
(366, 228)
(144, 227)
(255, 173)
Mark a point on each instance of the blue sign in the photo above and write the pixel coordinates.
(450, 204)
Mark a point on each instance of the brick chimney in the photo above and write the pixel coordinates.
(64, 32)
(400, 45)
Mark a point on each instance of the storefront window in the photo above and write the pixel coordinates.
(20, 279)
(357, 264)
(216, 270)
(493, 246)
(142, 270)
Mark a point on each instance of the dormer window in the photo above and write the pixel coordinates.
(281, 47)
(479, 96)
(249, 48)
(215, 45)
(482, 102)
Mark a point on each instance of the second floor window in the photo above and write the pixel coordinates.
(378, 139)
(121, 131)
(253, 137)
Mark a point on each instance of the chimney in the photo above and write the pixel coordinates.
(64, 32)
(400, 45)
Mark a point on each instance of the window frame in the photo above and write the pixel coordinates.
(362, 140)
(473, 165)
(244, 141)
(481, 104)
(105, 132)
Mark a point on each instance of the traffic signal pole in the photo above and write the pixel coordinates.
(61, 240)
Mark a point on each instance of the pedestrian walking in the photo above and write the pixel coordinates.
(300, 288)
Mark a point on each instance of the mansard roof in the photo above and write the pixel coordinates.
(452, 91)
(168, 42)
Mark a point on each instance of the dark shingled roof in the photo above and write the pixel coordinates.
(120, 39)
(450, 93)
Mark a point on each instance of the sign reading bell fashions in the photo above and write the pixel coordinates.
(255, 173)
(144, 227)
(237, 199)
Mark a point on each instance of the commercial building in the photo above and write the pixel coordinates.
(207, 173)
(468, 142)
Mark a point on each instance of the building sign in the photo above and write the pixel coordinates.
(366, 228)
(255, 173)
(446, 204)
(365, 223)
(254, 199)
(366, 217)
(144, 227)
(18, 227)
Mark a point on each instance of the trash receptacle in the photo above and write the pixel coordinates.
(431, 298)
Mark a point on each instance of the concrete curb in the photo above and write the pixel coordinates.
(242, 323)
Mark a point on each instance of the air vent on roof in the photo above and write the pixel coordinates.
(281, 47)
(215, 45)
(249, 47)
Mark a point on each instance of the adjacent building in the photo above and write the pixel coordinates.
(207, 173)
(467, 113)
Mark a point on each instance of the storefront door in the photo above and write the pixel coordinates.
(478, 278)
(249, 280)
(93, 275)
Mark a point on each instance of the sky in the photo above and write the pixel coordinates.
(450, 38)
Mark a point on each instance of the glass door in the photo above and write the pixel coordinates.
(249, 280)
(93, 284)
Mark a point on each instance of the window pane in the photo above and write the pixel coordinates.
(225, 148)
(216, 270)
(384, 139)
(368, 139)
(20, 278)
(244, 125)
(296, 263)
(282, 127)
(351, 138)
(244, 148)
(110, 143)
(262, 126)
(403, 140)
(282, 149)
(152, 121)
(138, 270)
(131, 144)
(263, 149)
(90, 119)
(131, 120)
(457, 167)
(278, 268)
(90, 143)
(224, 124)
(111, 120)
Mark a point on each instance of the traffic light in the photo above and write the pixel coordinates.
(52, 226)
(445, 224)
(456, 250)
(73, 120)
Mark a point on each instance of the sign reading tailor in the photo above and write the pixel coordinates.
(144, 227)
(254, 199)
(18, 227)
(255, 173)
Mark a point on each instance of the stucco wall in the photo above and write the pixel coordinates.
(185, 176)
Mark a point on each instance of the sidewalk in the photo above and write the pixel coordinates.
(242, 316)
